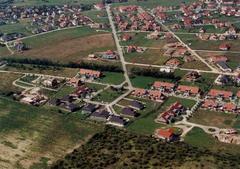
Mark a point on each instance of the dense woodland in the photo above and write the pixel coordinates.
(115, 148)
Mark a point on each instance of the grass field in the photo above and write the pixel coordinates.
(139, 39)
(112, 78)
(97, 16)
(38, 133)
(52, 2)
(6, 80)
(198, 138)
(197, 64)
(214, 118)
(16, 27)
(66, 46)
(48, 70)
(150, 56)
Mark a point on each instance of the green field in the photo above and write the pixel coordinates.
(107, 95)
(214, 118)
(198, 138)
(20, 27)
(51, 2)
(112, 78)
(6, 80)
(37, 133)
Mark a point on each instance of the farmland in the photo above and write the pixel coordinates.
(38, 133)
(66, 46)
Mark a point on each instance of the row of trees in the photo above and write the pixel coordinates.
(45, 62)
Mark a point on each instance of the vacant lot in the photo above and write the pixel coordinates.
(198, 138)
(150, 56)
(31, 136)
(6, 80)
(65, 46)
(214, 118)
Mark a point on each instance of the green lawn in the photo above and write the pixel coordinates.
(16, 27)
(198, 138)
(66, 90)
(52, 2)
(107, 96)
(112, 78)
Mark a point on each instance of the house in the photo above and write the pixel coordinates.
(156, 95)
(210, 104)
(224, 47)
(218, 58)
(70, 106)
(100, 115)
(192, 76)
(238, 94)
(75, 82)
(137, 105)
(126, 37)
(229, 107)
(165, 134)
(139, 92)
(166, 117)
(223, 66)
(173, 62)
(116, 121)
(99, 6)
(215, 93)
(50, 82)
(164, 86)
(87, 73)
(82, 92)
(189, 90)
(130, 112)
(89, 108)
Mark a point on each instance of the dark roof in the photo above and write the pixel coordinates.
(137, 104)
(89, 108)
(67, 98)
(54, 102)
(72, 107)
(223, 65)
(129, 112)
(103, 114)
(117, 119)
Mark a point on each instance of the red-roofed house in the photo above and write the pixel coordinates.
(229, 107)
(164, 86)
(165, 134)
(173, 62)
(189, 90)
(139, 92)
(214, 93)
(156, 95)
(87, 73)
(224, 46)
(238, 94)
(216, 59)
(210, 104)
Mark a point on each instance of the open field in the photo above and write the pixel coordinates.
(140, 39)
(52, 2)
(30, 134)
(112, 78)
(97, 16)
(150, 56)
(66, 46)
(6, 80)
(198, 138)
(48, 70)
(197, 64)
(198, 44)
(208, 28)
(214, 118)
(16, 27)
(4, 51)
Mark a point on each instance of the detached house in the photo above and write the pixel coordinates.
(188, 90)
(164, 86)
(214, 93)
(87, 73)
(165, 134)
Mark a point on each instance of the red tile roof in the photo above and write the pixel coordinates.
(159, 84)
(191, 89)
(238, 94)
(229, 106)
(216, 93)
(139, 91)
(218, 59)
(90, 72)
(209, 103)
(165, 133)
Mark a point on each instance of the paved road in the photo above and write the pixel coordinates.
(119, 49)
